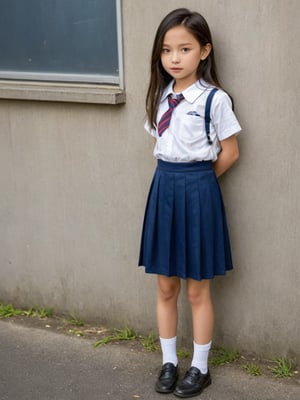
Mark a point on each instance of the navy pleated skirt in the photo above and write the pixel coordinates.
(185, 232)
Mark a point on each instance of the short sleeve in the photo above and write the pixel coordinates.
(223, 117)
(151, 131)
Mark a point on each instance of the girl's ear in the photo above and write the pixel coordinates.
(205, 51)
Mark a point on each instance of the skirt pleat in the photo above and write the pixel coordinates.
(185, 231)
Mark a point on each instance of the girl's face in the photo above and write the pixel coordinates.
(181, 55)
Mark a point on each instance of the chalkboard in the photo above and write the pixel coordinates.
(61, 40)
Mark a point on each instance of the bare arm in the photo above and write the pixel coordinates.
(228, 155)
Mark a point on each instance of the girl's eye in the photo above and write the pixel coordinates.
(164, 50)
(185, 49)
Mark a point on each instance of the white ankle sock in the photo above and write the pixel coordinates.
(200, 357)
(168, 348)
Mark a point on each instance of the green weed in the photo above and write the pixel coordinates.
(149, 342)
(8, 311)
(182, 353)
(119, 335)
(43, 313)
(222, 356)
(253, 369)
(75, 321)
(283, 368)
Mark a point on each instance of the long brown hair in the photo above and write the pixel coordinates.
(195, 24)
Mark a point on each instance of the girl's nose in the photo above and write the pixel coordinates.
(175, 57)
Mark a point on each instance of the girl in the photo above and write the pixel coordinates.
(185, 233)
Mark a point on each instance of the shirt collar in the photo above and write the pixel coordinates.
(168, 90)
(191, 93)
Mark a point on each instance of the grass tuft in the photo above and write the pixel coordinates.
(222, 356)
(283, 368)
(253, 369)
(119, 335)
(150, 342)
(182, 353)
(72, 320)
(9, 311)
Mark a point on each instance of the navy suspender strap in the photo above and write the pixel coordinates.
(207, 113)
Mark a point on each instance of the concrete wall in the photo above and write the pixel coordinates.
(74, 180)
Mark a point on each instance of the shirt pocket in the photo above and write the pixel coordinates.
(192, 126)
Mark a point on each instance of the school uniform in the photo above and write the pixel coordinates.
(185, 231)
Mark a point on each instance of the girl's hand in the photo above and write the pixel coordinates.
(228, 155)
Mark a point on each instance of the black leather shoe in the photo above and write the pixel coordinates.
(193, 383)
(167, 379)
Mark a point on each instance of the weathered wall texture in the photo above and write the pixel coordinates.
(74, 180)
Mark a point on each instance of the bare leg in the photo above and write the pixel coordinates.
(167, 296)
(167, 314)
(198, 377)
(202, 310)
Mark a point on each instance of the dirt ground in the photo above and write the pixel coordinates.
(65, 326)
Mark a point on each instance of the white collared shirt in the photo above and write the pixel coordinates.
(185, 139)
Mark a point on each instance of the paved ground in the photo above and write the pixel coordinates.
(40, 364)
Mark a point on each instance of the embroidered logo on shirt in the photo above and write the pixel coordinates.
(193, 113)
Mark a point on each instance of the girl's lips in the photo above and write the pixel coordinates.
(176, 69)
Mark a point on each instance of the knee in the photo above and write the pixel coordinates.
(168, 292)
(198, 296)
(194, 297)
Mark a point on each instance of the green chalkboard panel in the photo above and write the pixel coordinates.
(60, 40)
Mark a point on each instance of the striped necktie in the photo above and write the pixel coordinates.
(166, 117)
